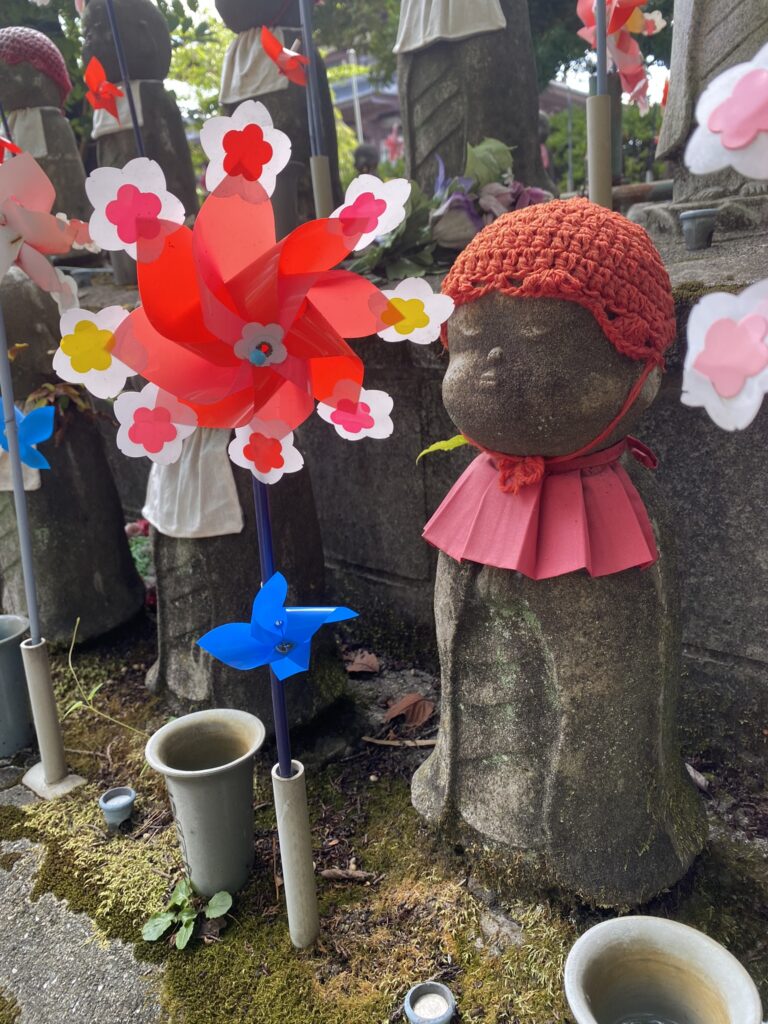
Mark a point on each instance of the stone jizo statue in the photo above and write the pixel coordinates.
(556, 604)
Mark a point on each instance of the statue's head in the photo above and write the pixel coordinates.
(562, 309)
(144, 33)
(32, 70)
(240, 15)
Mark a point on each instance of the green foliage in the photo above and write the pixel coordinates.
(183, 909)
(405, 252)
(197, 62)
(639, 142)
(457, 441)
(488, 161)
(347, 144)
(370, 26)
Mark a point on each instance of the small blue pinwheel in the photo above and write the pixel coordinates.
(276, 636)
(32, 429)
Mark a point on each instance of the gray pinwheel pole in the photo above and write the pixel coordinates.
(288, 780)
(599, 120)
(49, 778)
(319, 164)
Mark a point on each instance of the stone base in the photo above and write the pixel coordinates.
(35, 780)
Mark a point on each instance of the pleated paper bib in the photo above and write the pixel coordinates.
(584, 513)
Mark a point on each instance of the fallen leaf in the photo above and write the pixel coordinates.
(697, 778)
(212, 928)
(361, 661)
(414, 708)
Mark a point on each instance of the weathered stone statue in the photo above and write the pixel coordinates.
(709, 36)
(33, 87)
(556, 605)
(82, 560)
(466, 72)
(248, 74)
(147, 45)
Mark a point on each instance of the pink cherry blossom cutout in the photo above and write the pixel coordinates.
(733, 351)
(152, 428)
(740, 119)
(363, 214)
(135, 214)
(352, 416)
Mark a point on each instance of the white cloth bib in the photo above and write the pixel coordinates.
(247, 71)
(105, 124)
(197, 495)
(28, 131)
(425, 21)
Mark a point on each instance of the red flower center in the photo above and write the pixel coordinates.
(362, 216)
(264, 452)
(247, 152)
(152, 428)
(352, 416)
(134, 214)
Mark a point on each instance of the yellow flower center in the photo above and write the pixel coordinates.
(88, 347)
(405, 315)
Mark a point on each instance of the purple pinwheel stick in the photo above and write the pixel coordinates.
(124, 72)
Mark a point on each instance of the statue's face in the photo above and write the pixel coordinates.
(536, 376)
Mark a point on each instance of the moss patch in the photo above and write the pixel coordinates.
(9, 1009)
(7, 860)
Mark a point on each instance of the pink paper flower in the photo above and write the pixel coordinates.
(152, 423)
(733, 351)
(379, 204)
(739, 119)
(245, 147)
(367, 415)
(132, 208)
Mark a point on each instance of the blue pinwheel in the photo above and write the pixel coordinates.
(32, 429)
(276, 636)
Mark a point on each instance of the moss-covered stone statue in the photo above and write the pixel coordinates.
(34, 85)
(147, 45)
(466, 71)
(249, 74)
(556, 604)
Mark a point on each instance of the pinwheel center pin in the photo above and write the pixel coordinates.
(284, 646)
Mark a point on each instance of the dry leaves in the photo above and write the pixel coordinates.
(414, 708)
(358, 662)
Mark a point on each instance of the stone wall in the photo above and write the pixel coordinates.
(373, 501)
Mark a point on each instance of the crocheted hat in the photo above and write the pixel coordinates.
(573, 249)
(19, 44)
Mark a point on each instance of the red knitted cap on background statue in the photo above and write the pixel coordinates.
(545, 515)
(19, 45)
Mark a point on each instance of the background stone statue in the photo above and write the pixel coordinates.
(466, 72)
(82, 560)
(34, 85)
(558, 740)
(249, 74)
(147, 45)
(708, 37)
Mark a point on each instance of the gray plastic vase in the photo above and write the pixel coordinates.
(16, 731)
(207, 760)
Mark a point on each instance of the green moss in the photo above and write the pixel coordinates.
(689, 292)
(9, 1009)
(7, 860)
(10, 818)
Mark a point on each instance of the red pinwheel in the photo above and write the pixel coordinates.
(289, 63)
(235, 325)
(102, 94)
(6, 146)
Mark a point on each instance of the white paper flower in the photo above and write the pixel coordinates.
(131, 205)
(259, 448)
(732, 113)
(366, 416)
(84, 355)
(66, 295)
(415, 312)
(726, 365)
(245, 145)
(261, 344)
(374, 207)
(152, 423)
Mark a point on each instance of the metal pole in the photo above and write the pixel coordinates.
(6, 126)
(599, 121)
(352, 61)
(126, 80)
(602, 48)
(19, 495)
(570, 143)
(267, 563)
(318, 161)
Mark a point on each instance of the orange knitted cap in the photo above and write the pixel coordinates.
(575, 250)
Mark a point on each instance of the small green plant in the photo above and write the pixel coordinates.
(181, 913)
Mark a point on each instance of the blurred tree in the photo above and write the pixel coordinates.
(639, 138)
(197, 63)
